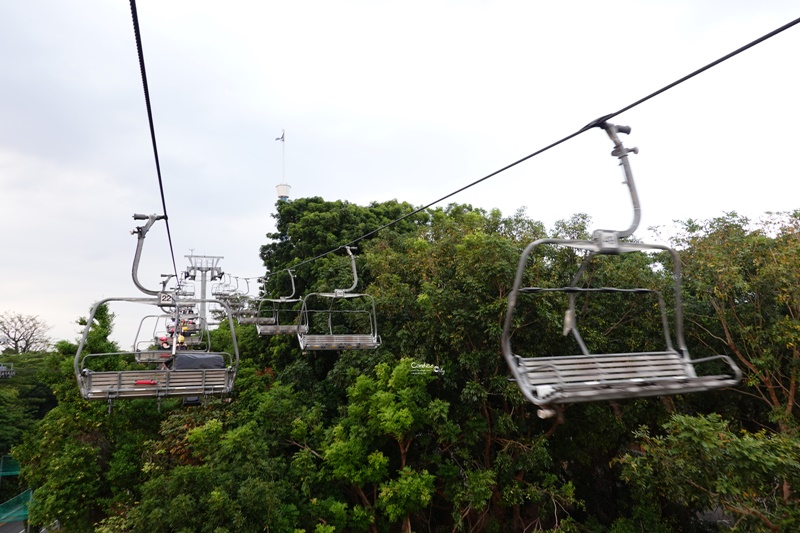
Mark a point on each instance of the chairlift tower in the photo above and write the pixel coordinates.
(209, 269)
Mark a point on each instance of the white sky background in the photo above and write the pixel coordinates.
(380, 100)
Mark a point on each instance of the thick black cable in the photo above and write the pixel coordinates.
(443, 198)
(595, 123)
(693, 74)
(140, 51)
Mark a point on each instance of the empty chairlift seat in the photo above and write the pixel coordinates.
(280, 316)
(255, 316)
(580, 371)
(339, 320)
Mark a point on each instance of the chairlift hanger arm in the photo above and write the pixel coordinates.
(294, 289)
(353, 266)
(621, 153)
(141, 233)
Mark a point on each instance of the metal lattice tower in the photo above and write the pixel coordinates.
(209, 269)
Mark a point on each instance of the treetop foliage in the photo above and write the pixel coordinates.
(427, 433)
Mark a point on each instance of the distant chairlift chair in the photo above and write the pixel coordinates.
(331, 327)
(548, 380)
(147, 346)
(7, 370)
(251, 314)
(281, 316)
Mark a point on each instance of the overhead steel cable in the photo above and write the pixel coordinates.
(594, 123)
(140, 51)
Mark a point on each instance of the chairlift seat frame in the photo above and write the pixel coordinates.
(330, 340)
(113, 385)
(311, 340)
(153, 383)
(271, 324)
(550, 380)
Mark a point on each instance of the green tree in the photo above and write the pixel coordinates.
(81, 462)
(308, 227)
(744, 300)
(426, 432)
(442, 295)
(700, 463)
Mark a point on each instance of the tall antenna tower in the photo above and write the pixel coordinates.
(283, 188)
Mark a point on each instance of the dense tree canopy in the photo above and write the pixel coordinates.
(427, 433)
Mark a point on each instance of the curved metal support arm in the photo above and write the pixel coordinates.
(355, 273)
(291, 277)
(141, 233)
(622, 153)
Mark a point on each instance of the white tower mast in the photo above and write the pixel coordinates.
(283, 188)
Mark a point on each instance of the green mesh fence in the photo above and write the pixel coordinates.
(8, 466)
(15, 509)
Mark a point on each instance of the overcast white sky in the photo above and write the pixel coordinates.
(380, 100)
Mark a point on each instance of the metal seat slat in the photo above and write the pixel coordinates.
(338, 342)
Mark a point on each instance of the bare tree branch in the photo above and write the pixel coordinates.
(23, 333)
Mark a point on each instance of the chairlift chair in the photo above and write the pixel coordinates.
(250, 314)
(226, 288)
(185, 289)
(280, 316)
(197, 336)
(549, 380)
(147, 346)
(209, 373)
(332, 326)
(7, 370)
